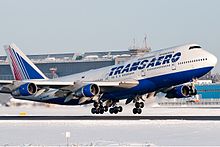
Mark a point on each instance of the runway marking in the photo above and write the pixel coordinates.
(215, 118)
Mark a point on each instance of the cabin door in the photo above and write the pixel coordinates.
(173, 66)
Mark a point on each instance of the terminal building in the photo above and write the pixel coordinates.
(208, 91)
(58, 65)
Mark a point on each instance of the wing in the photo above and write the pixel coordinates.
(7, 86)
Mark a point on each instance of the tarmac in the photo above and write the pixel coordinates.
(199, 118)
(156, 126)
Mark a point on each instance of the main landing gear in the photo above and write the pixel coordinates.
(115, 109)
(100, 109)
(138, 106)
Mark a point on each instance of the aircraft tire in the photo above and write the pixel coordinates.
(135, 110)
(139, 111)
(101, 111)
(105, 108)
(137, 105)
(111, 110)
(93, 110)
(120, 109)
(115, 110)
(97, 111)
(141, 104)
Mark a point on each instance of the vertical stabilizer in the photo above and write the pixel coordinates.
(21, 66)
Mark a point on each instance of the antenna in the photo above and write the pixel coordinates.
(145, 41)
(134, 43)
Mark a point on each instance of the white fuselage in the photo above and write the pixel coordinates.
(154, 70)
(189, 60)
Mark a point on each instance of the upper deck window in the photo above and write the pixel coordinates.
(194, 47)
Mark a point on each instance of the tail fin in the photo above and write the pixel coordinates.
(22, 67)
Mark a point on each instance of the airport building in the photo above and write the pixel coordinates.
(208, 91)
(58, 65)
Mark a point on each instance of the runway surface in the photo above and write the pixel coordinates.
(159, 126)
(213, 118)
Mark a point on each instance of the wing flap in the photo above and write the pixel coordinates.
(5, 82)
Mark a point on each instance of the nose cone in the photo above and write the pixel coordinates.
(213, 60)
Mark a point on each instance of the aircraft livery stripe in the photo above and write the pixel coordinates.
(16, 64)
(24, 73)
(19, 64)
(15, 72)
(15, 69)
(25, 70)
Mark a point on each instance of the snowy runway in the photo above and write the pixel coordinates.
(109, 132)
(105, 132)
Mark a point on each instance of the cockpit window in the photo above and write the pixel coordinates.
(194, 47)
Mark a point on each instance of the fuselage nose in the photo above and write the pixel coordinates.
(213, 60)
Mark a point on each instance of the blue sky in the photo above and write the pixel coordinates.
(57, 26)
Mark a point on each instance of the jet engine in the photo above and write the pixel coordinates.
(89, 90)
(26, 89)
(182, 91)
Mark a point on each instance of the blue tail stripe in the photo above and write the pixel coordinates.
(33, 74)
(24, 69)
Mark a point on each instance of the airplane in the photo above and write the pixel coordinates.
(165, 70)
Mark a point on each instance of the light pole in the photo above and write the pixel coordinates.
(67, 138)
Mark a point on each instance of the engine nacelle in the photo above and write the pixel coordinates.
(26, 89)
(182, 91)
(89, 90)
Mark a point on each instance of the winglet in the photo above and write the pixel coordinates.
(21, 66)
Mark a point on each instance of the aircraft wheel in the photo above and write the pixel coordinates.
(141, 104)
(137, 105)
(135, 110)
(111, 110)
(115, 110)
(105, 108)
(97, 111)
(101, 110)
(93, 110)
(139, 111)
(120, 109)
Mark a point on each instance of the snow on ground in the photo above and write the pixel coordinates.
(109, 132)
(106, 132)
(127, 110)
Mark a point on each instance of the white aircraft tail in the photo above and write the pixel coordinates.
(21, 66)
